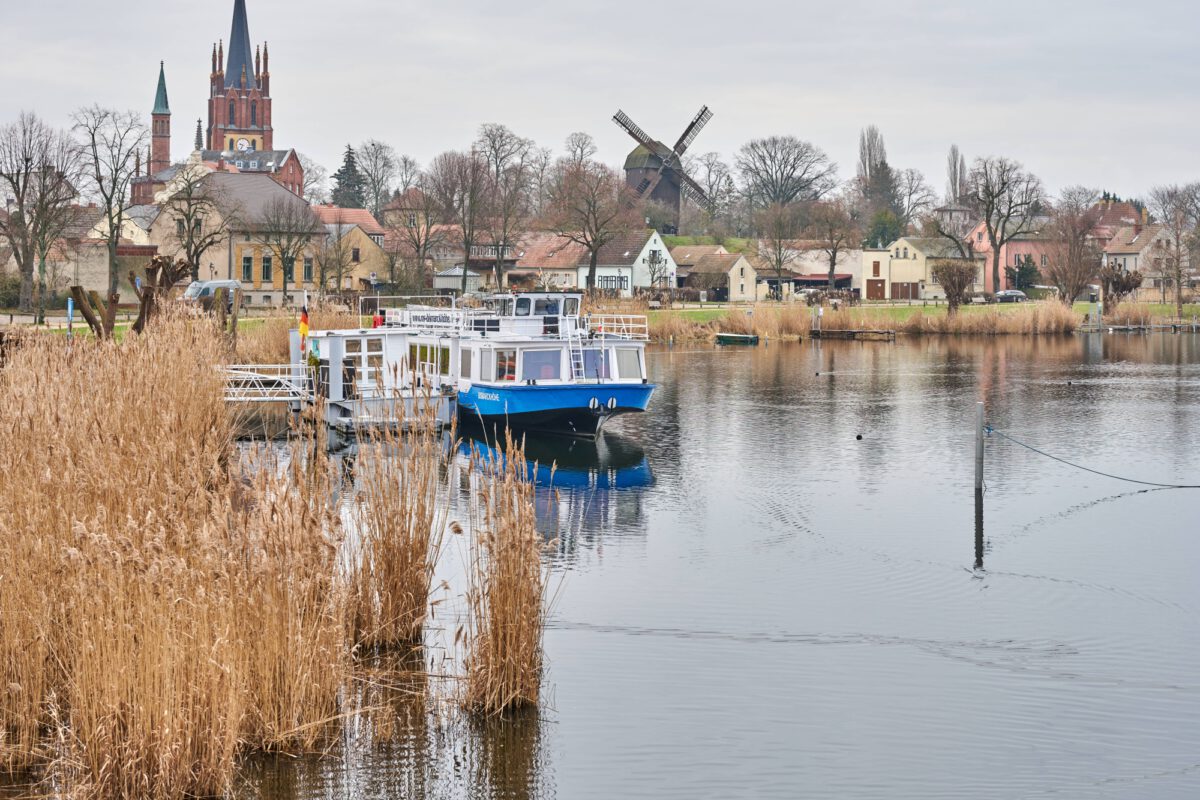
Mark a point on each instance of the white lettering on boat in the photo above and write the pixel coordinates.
(488, 396)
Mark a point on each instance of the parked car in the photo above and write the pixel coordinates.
(1011, 296)
(201, 293)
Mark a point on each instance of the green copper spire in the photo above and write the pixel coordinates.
(160, 98)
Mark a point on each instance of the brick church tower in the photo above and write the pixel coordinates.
(160, 127)
(239, 102)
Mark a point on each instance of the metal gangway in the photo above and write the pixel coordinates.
(266, 383)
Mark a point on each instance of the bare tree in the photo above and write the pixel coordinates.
(459, 181)
(377, 163)
(834, 223)
(957, 183)
(956, 276)
(112, 142)
(715, 177)
(1008, 199)
(589, 205)
(1073, 254)
(871, 152)
(316, 181)
(509, 208)
(656, 269)
(541, 164)
(39, 167)
(286, 227)
(779, 225)
(780, 170)
(914, 195)
(417, 229)
(1177, 209)
(200, 213)
(333, 256)
(500, 147)
(580, 147)
(407, 173)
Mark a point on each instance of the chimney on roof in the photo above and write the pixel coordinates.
(1145, 216)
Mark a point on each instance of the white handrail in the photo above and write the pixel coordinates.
(620, 326)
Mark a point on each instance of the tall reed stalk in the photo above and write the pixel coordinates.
(401, 521)
(506, 615)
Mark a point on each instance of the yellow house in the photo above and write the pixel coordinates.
(910, 268)
(352, 254)
(258, 222)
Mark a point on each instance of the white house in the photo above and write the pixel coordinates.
(637, 260)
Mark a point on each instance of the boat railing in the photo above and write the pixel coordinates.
(369, 305)
(619, 326)
(266, 383)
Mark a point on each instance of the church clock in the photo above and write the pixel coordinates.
(243, 145)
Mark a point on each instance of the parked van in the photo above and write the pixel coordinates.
(201, 293)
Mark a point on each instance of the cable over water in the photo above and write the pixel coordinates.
(990, 430)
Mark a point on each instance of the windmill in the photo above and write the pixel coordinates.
(655, 172)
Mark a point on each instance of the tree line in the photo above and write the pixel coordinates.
(485, 198)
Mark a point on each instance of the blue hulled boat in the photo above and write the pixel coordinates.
(527, 360)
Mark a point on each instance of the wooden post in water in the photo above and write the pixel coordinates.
(979, 446)
(979, 427)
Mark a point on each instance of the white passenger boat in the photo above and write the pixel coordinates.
(527, 360)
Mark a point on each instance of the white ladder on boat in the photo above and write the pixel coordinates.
(575, 345)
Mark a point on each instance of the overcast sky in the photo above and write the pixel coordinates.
(1102, 93)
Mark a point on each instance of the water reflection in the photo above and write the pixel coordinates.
(584, 488)
(420, 754)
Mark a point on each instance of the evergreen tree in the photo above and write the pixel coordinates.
(1025, 275)
(884, 229)
(350, 188)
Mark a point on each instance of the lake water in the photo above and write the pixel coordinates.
(754, 602)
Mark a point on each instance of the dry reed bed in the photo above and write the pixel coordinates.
(1030, 319)
(1129, 314)
(267, 343)
(168, 603)
(159, 614)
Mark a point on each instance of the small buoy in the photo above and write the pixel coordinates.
(858, 437)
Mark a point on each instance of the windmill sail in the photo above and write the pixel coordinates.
(692, 130)
(622, 119)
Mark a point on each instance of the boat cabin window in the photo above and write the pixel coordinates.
(541, 365)
(465, 363)
(595, 364)
(523, 306)
(571, 306)
(429, 359)
(366, 356)
(629, 364)
(545, 307)
(506, 365)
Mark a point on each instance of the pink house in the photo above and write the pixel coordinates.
(1033, 244)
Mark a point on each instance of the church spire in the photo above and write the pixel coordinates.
(239, 46)
(199, 138)
(161, 106)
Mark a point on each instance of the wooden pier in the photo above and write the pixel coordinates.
(860, 336)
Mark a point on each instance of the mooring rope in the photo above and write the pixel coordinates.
(991, 430)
